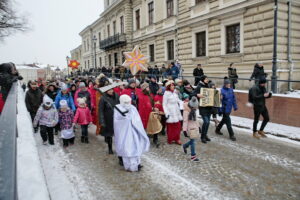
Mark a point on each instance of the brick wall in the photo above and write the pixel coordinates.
(282, 110)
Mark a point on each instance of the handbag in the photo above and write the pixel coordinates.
(194, 134)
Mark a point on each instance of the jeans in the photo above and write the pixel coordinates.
(226, 120)
(84, 130)
(205, 126)
(260, 110)
(192, 144)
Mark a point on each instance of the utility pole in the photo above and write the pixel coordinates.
(274, 65)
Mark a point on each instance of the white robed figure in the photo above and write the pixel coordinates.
(131, 140)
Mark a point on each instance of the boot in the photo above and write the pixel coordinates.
(110, 151)
(256, 135)
(207, 139)
(184, 149)
(86, 140)
(155, 141)
(218, 132)
(262, 134)
(82, 139)
(232, 138)
(121, 161)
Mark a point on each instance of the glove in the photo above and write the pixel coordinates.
(235, 109)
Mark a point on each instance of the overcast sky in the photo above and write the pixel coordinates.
(55, 28)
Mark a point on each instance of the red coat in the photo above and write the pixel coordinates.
(83, 116)
(93, 92)
(118, 91)
(1, 103)
(145, 108)
(158, 100)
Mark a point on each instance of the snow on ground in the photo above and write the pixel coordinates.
(44, 171)
(280, 130)
(294, 94)
(31, 181)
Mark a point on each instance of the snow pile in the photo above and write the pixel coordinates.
(31, 180)
(280, 130)
(294, 94)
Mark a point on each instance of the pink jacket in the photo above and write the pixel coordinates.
(83, 116)
(188, 124)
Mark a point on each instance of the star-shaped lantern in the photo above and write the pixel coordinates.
(74, 64)
(135, 60)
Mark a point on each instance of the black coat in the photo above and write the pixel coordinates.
(87, 96)
(232, 75)
(106, 114)
(33, 100)
(198, 72)
(258, 73)
(202, 110)
(257, 96)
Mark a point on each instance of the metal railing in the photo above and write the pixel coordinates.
(113, 41)
(8, 147)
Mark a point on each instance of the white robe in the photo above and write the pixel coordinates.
(131, 140)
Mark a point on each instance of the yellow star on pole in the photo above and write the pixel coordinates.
(135, 60)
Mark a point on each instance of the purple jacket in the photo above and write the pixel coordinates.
(66, 119)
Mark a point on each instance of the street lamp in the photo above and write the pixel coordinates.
(68, 58)
(95, 59)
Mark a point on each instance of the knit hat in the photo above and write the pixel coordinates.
(226, 81)
(202, 78)
(130, 81)
(64, 87)
(177, 80)
(81, 85)
(169, 83)
(262, 81)
(193, 103)
(144, 86)
(47, 101)
(185, 96)
(80, 101)
(63, 104)
(137, 82)
(125, 99)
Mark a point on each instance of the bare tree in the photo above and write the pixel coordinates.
(10, 22)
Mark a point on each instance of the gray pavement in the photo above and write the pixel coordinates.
(245, 169)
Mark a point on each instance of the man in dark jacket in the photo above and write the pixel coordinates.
(257, 96)
(197, 73)
(205, 112)
(174, 71)
(258, 73)
(153, 85)
(232, 75)
(33, 100)
(51, 91)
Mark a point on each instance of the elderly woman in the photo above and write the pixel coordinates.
(171, 108)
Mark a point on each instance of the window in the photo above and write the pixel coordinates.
(84, 45)
(88, 45)
(88, 63)
(233, 38)
(108, 30)
(170, 8)
(122, 24)
(170, 46)
(100, 61)
(114, 27)
(150, 12)
(116, 59)
(151, 52)
(99, 36)
(123, 57)
(109, 60)
(199, 1)
(137, 19)
(201, 44)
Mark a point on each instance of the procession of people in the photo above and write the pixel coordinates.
(127, 111)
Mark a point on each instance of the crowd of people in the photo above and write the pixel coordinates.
(127, 111)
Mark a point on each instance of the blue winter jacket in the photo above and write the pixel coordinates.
(228, 100)
(174, 72)
(68, 97)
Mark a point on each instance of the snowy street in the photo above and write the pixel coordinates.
(246, 169)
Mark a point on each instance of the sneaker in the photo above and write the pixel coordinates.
(194, 159)
(207, 139)
(184, 149)
(262, 134)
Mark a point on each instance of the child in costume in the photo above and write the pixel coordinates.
(66, 119)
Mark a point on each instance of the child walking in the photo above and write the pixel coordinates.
(83, 117)
(47, 118)
(66, 120)
(190, 124)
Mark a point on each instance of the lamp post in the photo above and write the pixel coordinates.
(95, 59)
(68, 58)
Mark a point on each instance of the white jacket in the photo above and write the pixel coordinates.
(171, 105)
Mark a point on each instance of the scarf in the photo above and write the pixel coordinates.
(192, 114)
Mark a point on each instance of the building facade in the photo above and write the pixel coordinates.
(213, 33)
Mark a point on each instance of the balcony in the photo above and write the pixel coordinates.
(112, 42)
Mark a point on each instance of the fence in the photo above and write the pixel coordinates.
(8, 147)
